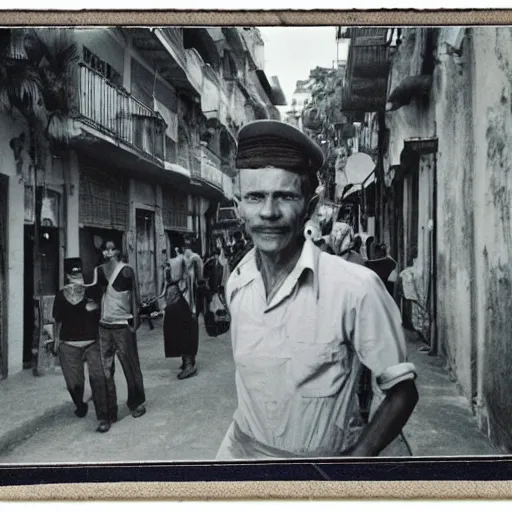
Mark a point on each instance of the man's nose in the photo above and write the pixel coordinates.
(269, 209)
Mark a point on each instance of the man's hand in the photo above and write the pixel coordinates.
(91, 305)
(53, 347)
(387, 422)
(135, 324)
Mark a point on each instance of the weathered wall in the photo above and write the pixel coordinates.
(415, 119)
(471, 102)
(456, 318)
(72, 220)
(448, 115)
(10, 128)
(492, 193)
(105, 43)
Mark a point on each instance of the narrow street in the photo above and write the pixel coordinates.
(186, 420)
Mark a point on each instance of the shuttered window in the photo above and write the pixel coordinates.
(103, 199)
(175, 210)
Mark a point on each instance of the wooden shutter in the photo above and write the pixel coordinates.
(175, 210)
(103, 199)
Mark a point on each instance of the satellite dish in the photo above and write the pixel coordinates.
(357, 169)
(359, 166)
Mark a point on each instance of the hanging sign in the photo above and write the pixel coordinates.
(420, 145)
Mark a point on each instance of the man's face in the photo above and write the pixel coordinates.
(76, 278)
(273, 207)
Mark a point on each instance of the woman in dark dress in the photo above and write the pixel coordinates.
(76, 317)
(180, 324)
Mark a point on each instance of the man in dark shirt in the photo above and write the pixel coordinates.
(76, 318)
(119, 322)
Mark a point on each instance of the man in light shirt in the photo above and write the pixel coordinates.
(304, 322)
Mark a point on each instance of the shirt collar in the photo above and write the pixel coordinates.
(247, 271)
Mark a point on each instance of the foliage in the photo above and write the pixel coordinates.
(324, 120)
(36, 82)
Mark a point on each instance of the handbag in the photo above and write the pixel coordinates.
(217, 319)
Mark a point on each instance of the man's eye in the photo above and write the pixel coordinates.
(289, 197)
(252, 198)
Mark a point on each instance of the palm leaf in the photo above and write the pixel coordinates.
(58, 67)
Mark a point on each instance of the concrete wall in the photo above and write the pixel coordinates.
(492, 206)
(470, 111)
(10, 128)
(447, 115)
(415, 119)
(72, 188)
(55, 179)
(452, 93)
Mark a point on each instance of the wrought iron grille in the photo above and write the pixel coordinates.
(110, 109)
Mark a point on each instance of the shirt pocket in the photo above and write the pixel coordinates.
(264, 380)
(319, 369)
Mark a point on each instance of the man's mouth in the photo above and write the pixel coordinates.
(271, 230)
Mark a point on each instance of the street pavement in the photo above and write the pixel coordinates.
(186, 420)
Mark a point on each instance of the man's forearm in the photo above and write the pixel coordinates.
(388, 421)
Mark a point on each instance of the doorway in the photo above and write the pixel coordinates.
(49, 247)
(146, 253)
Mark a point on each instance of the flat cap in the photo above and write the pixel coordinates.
(72, 265)
(269, 143)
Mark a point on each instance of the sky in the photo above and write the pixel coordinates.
(291, 52)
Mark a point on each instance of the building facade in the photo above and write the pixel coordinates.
(154, 115)
(442, 120)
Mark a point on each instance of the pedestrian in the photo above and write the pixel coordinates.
(118, 326)
(216, 274)
(76, 316)
(238, 250)
(193, 288)
(342, 243)
(181, 332)
(304, 321)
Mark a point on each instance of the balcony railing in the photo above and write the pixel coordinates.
(113, 111)
(210, 168)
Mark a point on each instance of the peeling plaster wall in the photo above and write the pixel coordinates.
(415, 119)
(452, 95)
(447, 115)
(10, 128)
(492, 194)
(470, 111)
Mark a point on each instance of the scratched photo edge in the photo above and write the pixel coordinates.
(266, 490)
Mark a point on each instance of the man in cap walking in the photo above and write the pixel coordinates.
(304, 321)
(76, 317)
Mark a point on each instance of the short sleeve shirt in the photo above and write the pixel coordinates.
(298, 358)
(78, 324)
